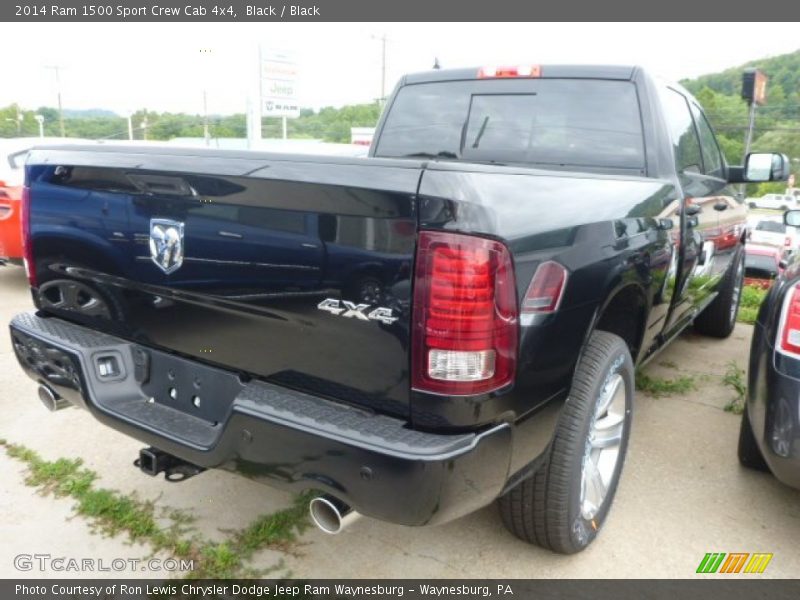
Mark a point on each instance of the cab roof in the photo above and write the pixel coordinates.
(617, 72)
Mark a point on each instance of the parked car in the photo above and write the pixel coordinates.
(774, 233)
(774, 201)
(769, 438)
(763, 264)
(13, 153)
(526, 257)
(11, 178)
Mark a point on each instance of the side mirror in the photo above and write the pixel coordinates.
(792, 218)
(666, 224)
(765, 166)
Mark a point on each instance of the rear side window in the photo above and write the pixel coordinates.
(712, 158)
(686, 144)
(550, 122)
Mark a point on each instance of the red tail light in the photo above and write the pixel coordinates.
(518, 71)
(27, 243)
(464, 338)
(789, 327)
(545, 291)
(787, 242)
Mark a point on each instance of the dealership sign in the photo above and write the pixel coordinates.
(279, 85)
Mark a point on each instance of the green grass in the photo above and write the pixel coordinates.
(752, 297)
(735, 379)
(664, 386)
(111, 513)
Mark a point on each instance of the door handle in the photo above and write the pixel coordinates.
(692, 209)
(230, 234)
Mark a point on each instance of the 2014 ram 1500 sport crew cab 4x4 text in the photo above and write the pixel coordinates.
(453, 320)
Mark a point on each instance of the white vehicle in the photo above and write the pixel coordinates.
(774, 201)
(774, 233)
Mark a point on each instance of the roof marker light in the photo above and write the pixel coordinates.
(508, 72)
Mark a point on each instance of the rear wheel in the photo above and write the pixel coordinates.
(749, 453)
(751, 204)
(719, 318)
(563, 505)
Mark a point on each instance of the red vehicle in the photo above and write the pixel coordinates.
(13, 154)
(10, 202)
(762, 265)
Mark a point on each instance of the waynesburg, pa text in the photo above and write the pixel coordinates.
(260, 590)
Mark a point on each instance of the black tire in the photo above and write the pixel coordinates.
(719, 318)
(749, 453)
(546, 508)
(752, 205)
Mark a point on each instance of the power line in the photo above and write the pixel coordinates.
(759, 129)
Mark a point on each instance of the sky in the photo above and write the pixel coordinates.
(159, 66)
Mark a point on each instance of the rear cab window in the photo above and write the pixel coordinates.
(771, 226)
(561, 123)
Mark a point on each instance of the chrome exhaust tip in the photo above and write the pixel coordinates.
(51, 400)
(331, 515)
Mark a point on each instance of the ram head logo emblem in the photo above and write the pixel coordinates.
(166, 244)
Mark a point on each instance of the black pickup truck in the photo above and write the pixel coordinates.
(452, 320)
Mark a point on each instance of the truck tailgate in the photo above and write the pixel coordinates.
(294, 270)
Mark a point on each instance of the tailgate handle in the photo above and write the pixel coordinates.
(230, 234)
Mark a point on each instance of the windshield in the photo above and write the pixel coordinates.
(550, 122)
(771, 227)
(757, 263)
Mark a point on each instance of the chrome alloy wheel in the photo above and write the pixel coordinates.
(603, 446)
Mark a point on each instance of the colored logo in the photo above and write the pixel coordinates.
(734, 562)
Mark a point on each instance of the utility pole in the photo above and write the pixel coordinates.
(748, 138)
(144, 127)
(57, 69)
(40, 121)
(382, 39)
(754, 91)
(205, 57)
(206, 134)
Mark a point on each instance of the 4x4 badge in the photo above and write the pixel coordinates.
(351, 310)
